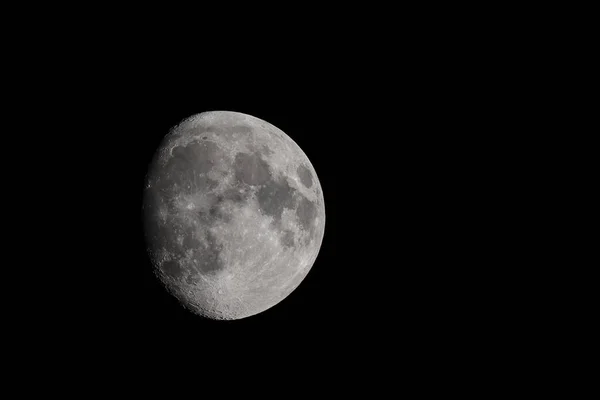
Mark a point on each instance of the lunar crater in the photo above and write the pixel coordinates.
(304, 175)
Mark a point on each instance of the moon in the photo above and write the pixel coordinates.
(234, 214)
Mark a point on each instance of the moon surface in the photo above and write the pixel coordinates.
(234, 214)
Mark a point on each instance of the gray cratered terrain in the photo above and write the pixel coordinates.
(234, 214)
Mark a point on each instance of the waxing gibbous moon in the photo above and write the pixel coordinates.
(234, 214)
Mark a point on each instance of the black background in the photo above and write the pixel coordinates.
(389, 133)
(414, 121)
